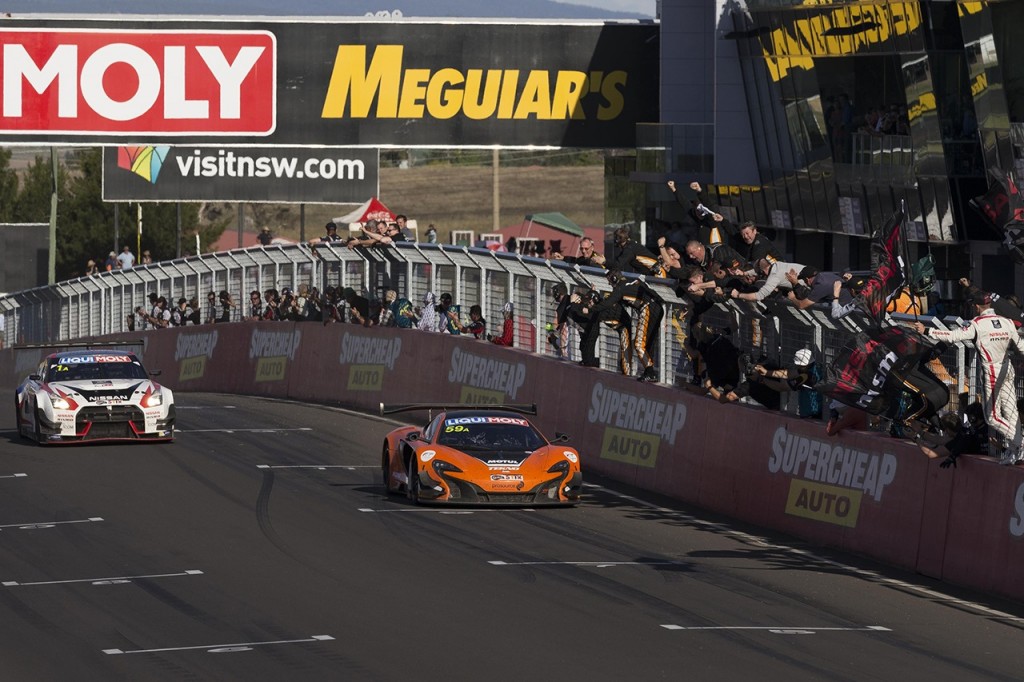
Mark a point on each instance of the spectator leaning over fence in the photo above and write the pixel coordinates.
(702, 255)
(477, 325)
(404, 313)
(755, 246)
(811, 286)
(358, 307)
(647, 311)
(226, 304)
(1007, 306)
(507, 337)
(611, 310)
(330, 236)
(994, 337)
(428, 313)
(775, 278)
(588, 255)
(386, 314)
(634, 257)
(255, 307)
(448, 315)
(801, 376)
(970, 435)
(180, 313)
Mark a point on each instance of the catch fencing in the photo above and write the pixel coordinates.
(771, 331)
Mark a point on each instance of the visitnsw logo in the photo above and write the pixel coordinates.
(145, 162)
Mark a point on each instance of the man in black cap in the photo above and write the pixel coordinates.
(331, 236)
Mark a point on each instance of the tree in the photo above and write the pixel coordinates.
(8, 187)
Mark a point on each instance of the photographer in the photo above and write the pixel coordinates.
(226, 304)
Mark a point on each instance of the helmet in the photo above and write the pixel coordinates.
(558, 290)
(803, 357)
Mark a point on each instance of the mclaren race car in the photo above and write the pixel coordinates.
(93, 395)
(479, 455)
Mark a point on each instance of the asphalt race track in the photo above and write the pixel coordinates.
(260, 546)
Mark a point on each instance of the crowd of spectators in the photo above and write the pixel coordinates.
(708, 261)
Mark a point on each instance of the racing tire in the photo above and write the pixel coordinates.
(385, 468)
(36, 430)
(413, 488)
(17, 417)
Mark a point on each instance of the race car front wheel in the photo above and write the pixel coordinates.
(385, 468)
(413, 488)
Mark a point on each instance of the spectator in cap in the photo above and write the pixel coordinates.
(111, 263)
(266, 237)
(91, 269)
(330, 236)
(507, 337)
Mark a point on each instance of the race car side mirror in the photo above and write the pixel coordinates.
(561, 437)
(34, 377)
(155, 372)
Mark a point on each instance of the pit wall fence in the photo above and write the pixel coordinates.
(859, 492)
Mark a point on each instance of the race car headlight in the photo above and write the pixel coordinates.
(153, 399)
(442, 466)
(559, 466)
(60, 403)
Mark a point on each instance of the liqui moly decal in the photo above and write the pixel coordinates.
(91, 81)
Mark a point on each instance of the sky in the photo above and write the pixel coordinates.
(645, 6)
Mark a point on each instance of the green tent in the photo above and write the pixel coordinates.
(556, 221)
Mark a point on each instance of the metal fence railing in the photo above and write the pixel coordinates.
(100, 304)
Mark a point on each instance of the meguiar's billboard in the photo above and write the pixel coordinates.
(359, 84)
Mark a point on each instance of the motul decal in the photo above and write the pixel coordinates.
(128, 82)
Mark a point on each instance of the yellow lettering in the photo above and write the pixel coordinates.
(568, 91)
(612, 93)
(414, 90)
(479, 103)
(507, 100)
(443, 100)
(536, 97)
(350, 76)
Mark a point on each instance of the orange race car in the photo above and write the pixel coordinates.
(479, 455)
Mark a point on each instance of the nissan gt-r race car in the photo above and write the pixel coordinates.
(93, 395)
(479, 455)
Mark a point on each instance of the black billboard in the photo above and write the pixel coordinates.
(363, 84)
(323, 175)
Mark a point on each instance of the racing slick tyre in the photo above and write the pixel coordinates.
(36, 431)
(385, 468)
(413, 487)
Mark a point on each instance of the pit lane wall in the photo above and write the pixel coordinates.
(859, 492)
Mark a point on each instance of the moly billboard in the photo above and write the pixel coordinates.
(320, 175)
(363, 83)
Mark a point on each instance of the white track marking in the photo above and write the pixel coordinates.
(780, 629)
(350, 467)
(756, 541)
(15, 476)
(119, 580)
(438, 511)
(597, 564)
(205, 407)
(221, 648)
(302, 428)
(47, 524)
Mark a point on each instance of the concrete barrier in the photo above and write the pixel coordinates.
(860, 492)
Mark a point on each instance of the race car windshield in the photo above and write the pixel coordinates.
(488, 433)
(79, 369)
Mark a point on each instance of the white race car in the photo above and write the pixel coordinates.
(93, 395)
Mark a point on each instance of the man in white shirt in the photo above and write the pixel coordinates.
(126, 258)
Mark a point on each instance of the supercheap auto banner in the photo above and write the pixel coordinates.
(363, 84)
(325, 175)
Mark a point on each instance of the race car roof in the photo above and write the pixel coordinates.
(91, 353)
(463, 414)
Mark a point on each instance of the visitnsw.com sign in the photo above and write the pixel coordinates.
(309, 175)
(362, 84)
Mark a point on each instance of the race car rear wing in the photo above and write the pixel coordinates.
(412, 407)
